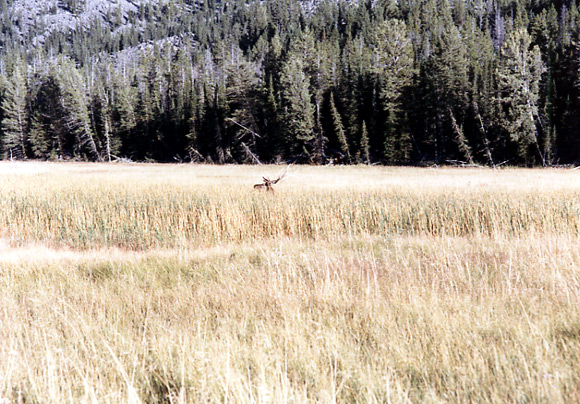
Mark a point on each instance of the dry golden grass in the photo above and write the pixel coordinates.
(149, 283)
(145, 206)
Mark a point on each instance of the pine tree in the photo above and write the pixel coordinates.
(14, 123)
(480, 118)
(270, 121)
(355, 63)
(298, 115)
(40, 138)
(339, 130)
(75, 104)
(449, 76)
(241, 94)
(395, 72)
(519, 75)
(49, 137)
(319, 61)
(364, 145)
(110, 139)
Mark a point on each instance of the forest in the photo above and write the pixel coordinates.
(407, 82)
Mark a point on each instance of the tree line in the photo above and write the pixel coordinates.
(373, 81)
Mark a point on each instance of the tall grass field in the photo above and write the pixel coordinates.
(143, 283)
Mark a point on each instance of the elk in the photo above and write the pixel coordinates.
(267, 184)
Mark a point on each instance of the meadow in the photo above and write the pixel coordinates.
(143, 283)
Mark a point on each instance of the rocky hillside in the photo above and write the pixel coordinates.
(86, 28)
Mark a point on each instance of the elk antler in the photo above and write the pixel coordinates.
(281, 176)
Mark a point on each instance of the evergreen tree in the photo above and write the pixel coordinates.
(75, 103)
(111, 142)
(272, 146)
(241, 93)
(14, 122)
(49, 137)
(339, 131)
(450, 86)
(395, 71)
(519, 75)
(480, 121)
(364, 145)
(355, 65)
(298, 115)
